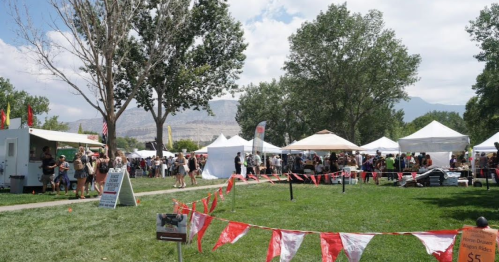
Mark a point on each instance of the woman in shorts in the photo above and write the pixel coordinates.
(100, 175)
(179, 163)
(193, 167)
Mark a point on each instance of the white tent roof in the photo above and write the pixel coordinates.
(384, 144)
(268, 148)
(220, 140)
(487, 145)
(69, 138)
(323, 140)
(150, 153)
(434, 137)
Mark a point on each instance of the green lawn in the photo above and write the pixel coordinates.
(89, 233)
(139, 185)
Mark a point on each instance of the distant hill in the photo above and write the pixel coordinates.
(199, 126)
(417, 107)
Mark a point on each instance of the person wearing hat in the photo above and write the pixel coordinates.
(91, 172)
(237, 163)
(62, 176)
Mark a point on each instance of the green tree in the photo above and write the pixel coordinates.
(344, 67)
(270, 102)
(482, 111)
(129, 143)
(53, 124)
(80, 129)
(101, 35)
(19, 101)
(205, 59)
(385, 121)
(187, 144)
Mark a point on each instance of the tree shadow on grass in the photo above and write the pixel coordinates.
(468, 204)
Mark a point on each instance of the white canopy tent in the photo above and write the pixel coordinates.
(487, 145)
(267, 148)
(151, 153)
(220, 140)
(434, 137)
(385, 145)
(324, 140)
(220, 162)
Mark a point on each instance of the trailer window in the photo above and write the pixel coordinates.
(11, 149)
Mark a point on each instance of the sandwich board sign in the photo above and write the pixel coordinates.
(118, 187)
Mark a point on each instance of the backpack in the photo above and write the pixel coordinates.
(78, 164)
(103, 167)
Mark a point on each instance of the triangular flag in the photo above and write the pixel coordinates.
(306, 176)
(30, 116)
(313, 180)
(185, 209)
(331, 246)
(481, 172)
(297, 177)
(200, 222)
(208, 198)
(267, 177)
(400, 175)
(240, 177)
(275, 175)
(233, 232)
(253, 177)
(7, 120)
(214, 204)
(414, 174)
(193, 211)
(220, 192)
(363, 175)
(290, 243)
(375, 175)
(319, 179)
(229, 186)
(205, 205)
(440, 244)
(354, 245)
(274, 245)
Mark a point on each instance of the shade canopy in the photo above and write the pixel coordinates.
(385, 145)
(323, 140)
(67, 138)
(220, 140)
(434, 137)
(487, 145)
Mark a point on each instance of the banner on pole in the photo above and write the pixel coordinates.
(259, 136)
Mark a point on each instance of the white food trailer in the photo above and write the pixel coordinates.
(20, 151)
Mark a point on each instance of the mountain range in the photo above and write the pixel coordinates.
(199, 126)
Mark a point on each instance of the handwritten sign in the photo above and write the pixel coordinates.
(478, 245)
(118, 187)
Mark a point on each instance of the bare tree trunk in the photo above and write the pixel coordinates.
(159, 138)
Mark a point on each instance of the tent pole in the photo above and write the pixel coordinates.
(290, 186)
(233, 193)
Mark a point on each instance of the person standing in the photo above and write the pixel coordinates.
(102, 165)
(80, 173)
(278, 165)
(48, 169)
(179, 164)
(91, 175)
(249, 165)
(157, 165)
(390, 167)
(193, 167)
(63, 175)
(258, 162)
(237, 163)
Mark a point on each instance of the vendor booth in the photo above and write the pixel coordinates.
(487, 147)
(385, 145)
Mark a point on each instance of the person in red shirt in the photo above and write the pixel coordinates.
(143, 166)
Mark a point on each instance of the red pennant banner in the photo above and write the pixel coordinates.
(306, 176)
(274, 245)
(205, 205)
(214, 204)
(414, 174)
(497, 171)
(331, 246)
(199, 224)
(240, 177)
(207, 223)
(193, 211)
(363, 175)
(267, 177)
(229, 186)
(400, 175)
(176, 208)
(313, 180)
(375, 175)
(30, 116)
(481, 171)
(185, 209)
(354, 244)
(297, 177)
(275, 175)
(231, 234)
(220, 192)
(253, 177)
(319, 179)
(208, 198)
(440, 244)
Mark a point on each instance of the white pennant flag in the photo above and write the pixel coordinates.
(290, 243)
(197, 222)
(435, 242)
(354, 245)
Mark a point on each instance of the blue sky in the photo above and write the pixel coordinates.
(434, 29)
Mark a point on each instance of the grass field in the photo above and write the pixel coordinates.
(89, 233)
(139, 185)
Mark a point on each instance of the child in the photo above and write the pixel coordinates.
(63, 174)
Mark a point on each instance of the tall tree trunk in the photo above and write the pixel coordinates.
(159, 138)
(111, 136)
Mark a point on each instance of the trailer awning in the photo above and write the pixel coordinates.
(70, 138)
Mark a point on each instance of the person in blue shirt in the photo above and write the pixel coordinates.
(63, 175)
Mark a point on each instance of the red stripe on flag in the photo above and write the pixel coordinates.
(268, 178)
(104, 126)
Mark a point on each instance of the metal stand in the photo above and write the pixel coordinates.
(179, 251)
(233, 193)
(487, 178)
(343, 181)
(290, 186)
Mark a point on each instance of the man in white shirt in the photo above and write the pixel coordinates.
(358, 157)
(258, 163)
(278, 164)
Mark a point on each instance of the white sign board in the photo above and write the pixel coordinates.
(118, 187)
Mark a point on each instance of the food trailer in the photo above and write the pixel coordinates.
(20, 151)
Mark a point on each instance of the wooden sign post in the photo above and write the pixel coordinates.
(118, 187)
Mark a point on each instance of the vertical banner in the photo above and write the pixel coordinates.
(30, 116)
(170, 139)
(7, 120)
(3, 119)
(259, 136)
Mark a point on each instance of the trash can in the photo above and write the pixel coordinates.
(16, 184)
